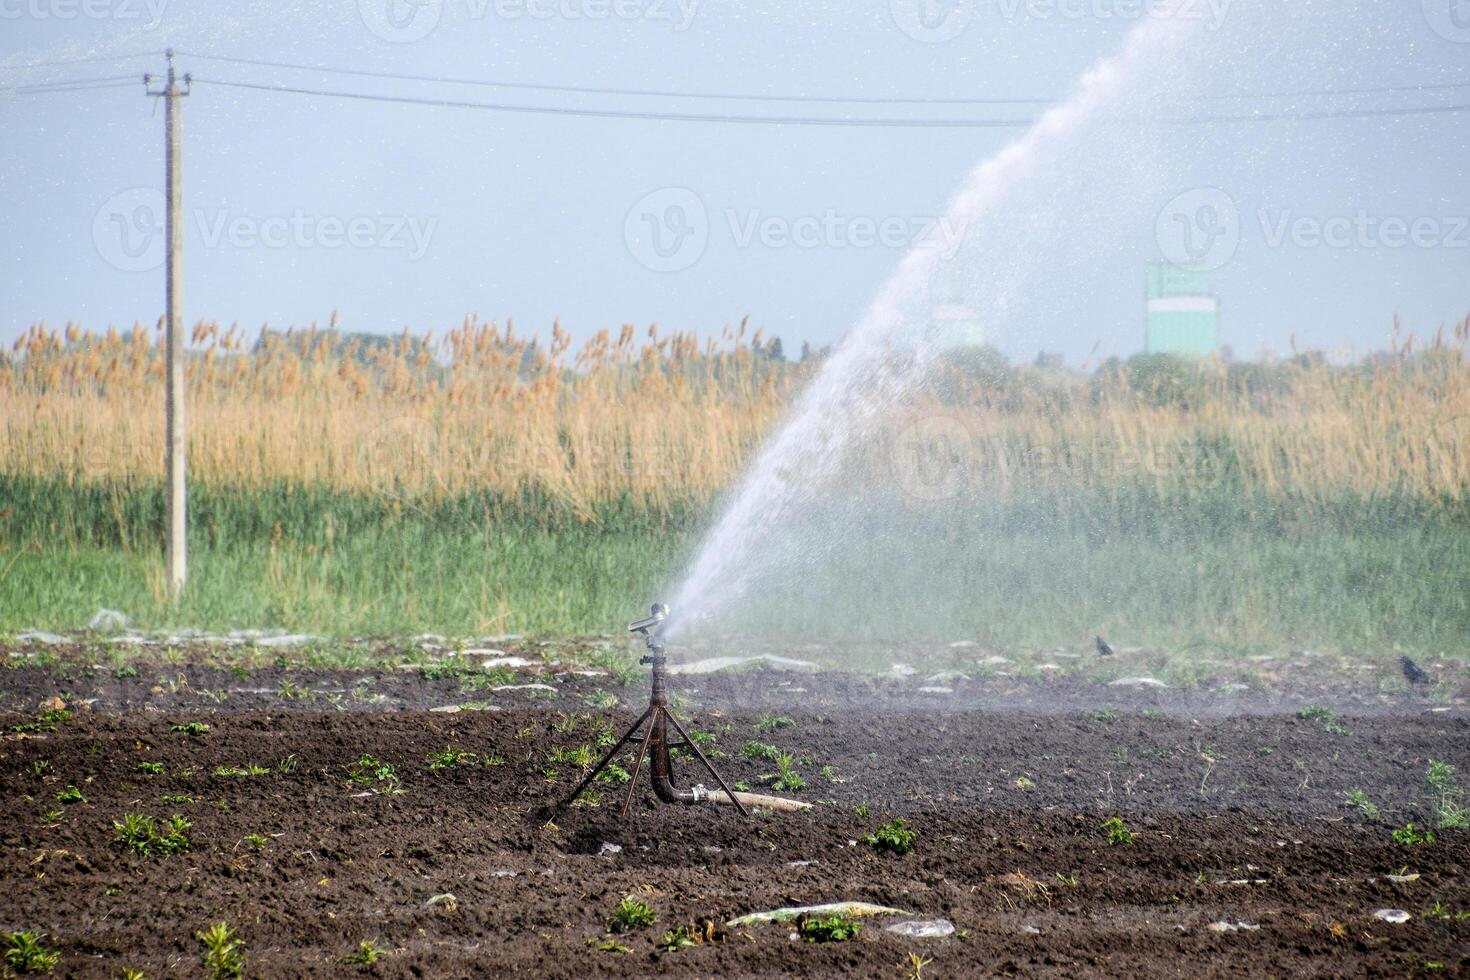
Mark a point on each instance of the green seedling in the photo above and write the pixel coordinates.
(742, 785)
(785, 778)
(255, 841)
(141, 833)
(224, 954)
(25, 954)
(151, 768)
(568, 724)
(1325, 716)
(831, 929)
(193, 728)
(630, 914)
(588, 799)
(862, 810)
(176, 799)
(125, 671)
(1449, 799)
(449, 758)
(1105, 715)
(1117, 831)
(916, 966)
(677, 938)
(760, 750)
(40, 767)
(287, 765)
(613, 774)
(128, 973)
(1409, 836)
(772, 723)
(608, 946)
(1359, 801)
(246, 770)
(894, 838)
(829, 773)
(582, 756)
(70, 795)
(366, 954)
(51, 818)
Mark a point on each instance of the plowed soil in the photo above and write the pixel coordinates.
(1247, 859)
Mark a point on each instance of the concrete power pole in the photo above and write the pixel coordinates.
(176, 451)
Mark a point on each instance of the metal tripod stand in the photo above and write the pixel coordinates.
(654, 739)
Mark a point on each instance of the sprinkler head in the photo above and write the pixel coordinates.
(658, 612)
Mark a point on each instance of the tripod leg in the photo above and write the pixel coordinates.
(652, 716)
(612, 754)
(712, 771)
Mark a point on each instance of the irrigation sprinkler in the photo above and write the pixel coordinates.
(653, 740)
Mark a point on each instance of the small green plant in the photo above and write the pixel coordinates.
(366, 954)
(676, 939)
(287, 765)
(291, 691)
(760, 750)
(224, 954)
(128, 973)
(491, 759)
(1408, 835)
(630, 914)
(449, 758)
(772, 723)
(862, 810)
(151, 768)
(1105, 715)
(125, 671)
(70, 795)
(52, 817)
(40, 767)
(894, 838)
(176, 799)
(1449, 799)
(246, 770)
(25, 954)
(613, 774)
(1325, 716)
(255, 841)
(582, 756)
(141, 833)
(916, 966)
(1117, 831)
(829, 773)
(1359, 801)
(608, 946)
(193, 728)
(829, 929)
(786, 778)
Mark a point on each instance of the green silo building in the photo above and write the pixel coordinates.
(1183, 316)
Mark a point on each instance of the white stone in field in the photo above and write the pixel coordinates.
(1396, 916)
(714, 664)
(525, 687)
(961, 644)
(609, 848)
(903, 670)
(922, 928)
(1137, 682)
(936, 690)
(447, 709)
(1223, 926)
(40, 636)
(494, 662)
(108, 619)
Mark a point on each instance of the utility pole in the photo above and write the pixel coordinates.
(174, 441)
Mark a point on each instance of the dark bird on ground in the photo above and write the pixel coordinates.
(1414, 673)
(1103, 650)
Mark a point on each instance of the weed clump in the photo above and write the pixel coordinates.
(140, 832)
(224, 955)
(25, 954)
(1326, 716)
(893, 838)
(1408, 835)
(1117, 831)
(630, 914)
(829, 929)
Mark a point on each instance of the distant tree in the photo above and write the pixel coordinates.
(1047, 361)
(775, 351)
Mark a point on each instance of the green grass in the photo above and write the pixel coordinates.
(1170, 569)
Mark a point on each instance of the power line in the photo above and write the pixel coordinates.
(825, 99)
(917, 123)
(595, 90)
(78, 84)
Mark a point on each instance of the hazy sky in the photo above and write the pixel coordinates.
(409, 215)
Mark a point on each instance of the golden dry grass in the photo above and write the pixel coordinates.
(666, 421)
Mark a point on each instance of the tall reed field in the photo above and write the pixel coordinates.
(481, 481)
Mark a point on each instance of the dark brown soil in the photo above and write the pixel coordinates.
(1238, 818)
